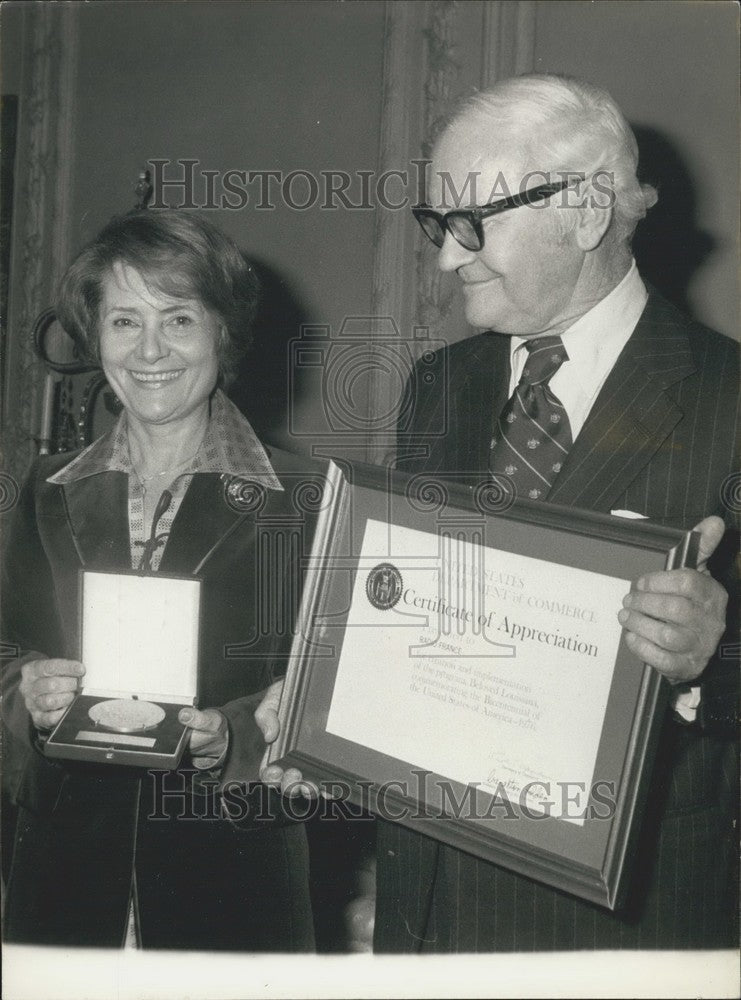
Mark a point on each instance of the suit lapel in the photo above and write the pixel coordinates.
(203, 521)
(478, 381)
(632, 415)
(97, 512)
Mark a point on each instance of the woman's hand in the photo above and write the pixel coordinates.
(209, 735)
(48, 688)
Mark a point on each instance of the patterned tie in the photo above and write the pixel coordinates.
(533, 434)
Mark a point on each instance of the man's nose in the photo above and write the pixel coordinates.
(452, 255)
(152, 344)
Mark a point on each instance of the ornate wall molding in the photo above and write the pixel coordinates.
(419, 73)
(436, 52)
(40, 224)
(508, 40)
(401, 111)
(435, 293)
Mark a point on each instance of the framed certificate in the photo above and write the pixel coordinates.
(459, 668)
(139, 644)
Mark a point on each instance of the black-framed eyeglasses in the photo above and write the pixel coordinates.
(465, 225)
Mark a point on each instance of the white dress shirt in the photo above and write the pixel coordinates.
(593, 344)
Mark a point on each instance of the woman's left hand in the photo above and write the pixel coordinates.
(209, 734)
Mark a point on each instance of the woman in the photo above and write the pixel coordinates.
(164, 302)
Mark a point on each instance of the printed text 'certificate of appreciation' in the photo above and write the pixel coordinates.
(483, 666)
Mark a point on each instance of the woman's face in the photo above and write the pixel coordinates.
(159, 354)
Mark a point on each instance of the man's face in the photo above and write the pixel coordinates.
(523, 280)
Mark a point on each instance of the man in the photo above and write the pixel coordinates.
(649, 399)
(633, 413)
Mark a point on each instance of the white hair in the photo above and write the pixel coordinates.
(557, 124)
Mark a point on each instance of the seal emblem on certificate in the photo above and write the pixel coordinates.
(383, 586)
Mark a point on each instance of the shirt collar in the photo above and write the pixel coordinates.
(230, 446)
(595, 340)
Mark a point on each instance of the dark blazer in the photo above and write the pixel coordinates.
(660, 441)
(201, 881)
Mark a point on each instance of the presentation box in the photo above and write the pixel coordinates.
(139, 645)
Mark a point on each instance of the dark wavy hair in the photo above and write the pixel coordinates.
(177, 253)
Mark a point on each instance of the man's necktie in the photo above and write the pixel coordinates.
(533, 435)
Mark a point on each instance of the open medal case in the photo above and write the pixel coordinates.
(138, 642)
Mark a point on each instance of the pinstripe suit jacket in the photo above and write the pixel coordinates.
(659, 441)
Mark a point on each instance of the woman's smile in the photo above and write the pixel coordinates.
(155, 380)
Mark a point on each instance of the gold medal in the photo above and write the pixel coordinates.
(126, 715)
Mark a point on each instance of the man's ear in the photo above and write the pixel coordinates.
(595, 216)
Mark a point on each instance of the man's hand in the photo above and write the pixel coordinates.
(48, 688)
(674, 618)
(289, 782)
(209, 734)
